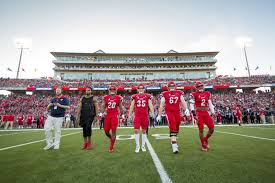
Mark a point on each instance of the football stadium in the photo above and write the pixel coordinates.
(134, 114)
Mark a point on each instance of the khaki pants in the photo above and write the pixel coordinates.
(56, 124)
(262, 119)
(9, 123)
(272, 119)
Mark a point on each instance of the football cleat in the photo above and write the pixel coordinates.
(204, 147)
(143, 148)
(47, 147)
(175, 148)
(89, 146)
(137, 149)
(84, 145)
(111, 149)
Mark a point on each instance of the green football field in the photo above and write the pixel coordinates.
(238, 154)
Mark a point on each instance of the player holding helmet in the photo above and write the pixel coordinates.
(173, 100)
(140, 103)
(113, 107)
(200, 103)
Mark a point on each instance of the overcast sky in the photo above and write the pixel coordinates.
(141, 26)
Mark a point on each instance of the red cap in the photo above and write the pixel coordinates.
(198, 84)
(140, 86)
(112, 87)
(171, 84)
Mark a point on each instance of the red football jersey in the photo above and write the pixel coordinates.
(172, 100)
(11, 118)
(201, 98)
(20, 119)
(141, 103)
(29, 119)
(41, 119)
(4, 118)
(112, 103)
(238, 111)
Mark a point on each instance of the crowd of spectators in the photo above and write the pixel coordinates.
(253, 105)
(220, 80)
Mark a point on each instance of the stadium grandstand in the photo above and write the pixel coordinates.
(134, 66)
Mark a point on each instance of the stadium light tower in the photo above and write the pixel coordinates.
(245, 42)
(247, 65)
(21, 44)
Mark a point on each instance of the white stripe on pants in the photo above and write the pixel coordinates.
(56, 123)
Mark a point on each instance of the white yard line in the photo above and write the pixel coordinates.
(131, 127)
(162, 172)
(248, 136)
(263, 128)
(33, 142)
(7, 134)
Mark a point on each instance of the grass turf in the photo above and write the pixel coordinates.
(231, 158)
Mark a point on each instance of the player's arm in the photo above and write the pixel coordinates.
(96, 106)
(211, 106)
(184, 106)
(132, 106)
(192, 104)
(161, 106)
(120, 107)
(151, 107)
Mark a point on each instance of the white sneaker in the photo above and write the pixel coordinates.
(56, 147)
(175, 148)
(143, 148)
(47, 147)
(137, 149)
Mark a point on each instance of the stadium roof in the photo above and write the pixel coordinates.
(102, 53)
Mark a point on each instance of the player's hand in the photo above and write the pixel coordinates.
(214, 116)
(158, 118)
(130, 118)
(187, 113)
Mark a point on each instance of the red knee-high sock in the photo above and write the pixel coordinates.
(174, 141)
(202, 140)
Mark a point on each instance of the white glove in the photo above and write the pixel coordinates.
(186, 112)
(158, 118)
(130, 118)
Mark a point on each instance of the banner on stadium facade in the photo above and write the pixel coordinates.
(250, 86)
(234, 86)
(73, 89)
(126, 88)
(221, 86)
(45, 89)
(153, 88)
(209, 87)
(268, 85)
(13, 88)
(30, 88)
(100, 88)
